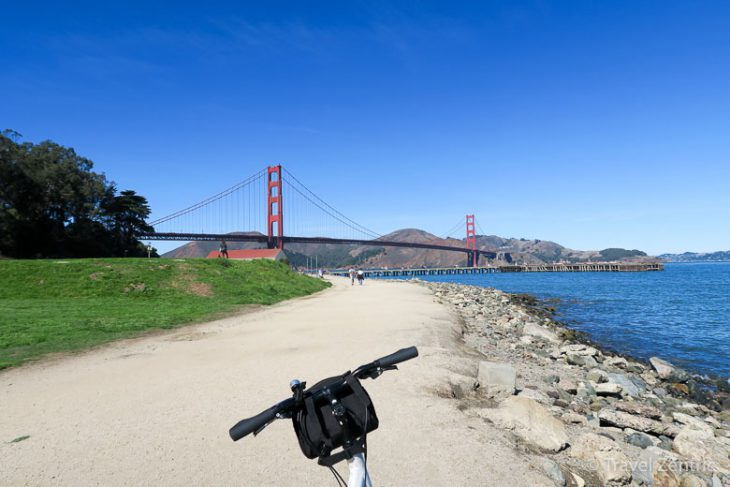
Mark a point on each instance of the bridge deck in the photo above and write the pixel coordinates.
(489, 254)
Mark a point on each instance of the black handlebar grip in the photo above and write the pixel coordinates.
(249, 425)
(400, 356)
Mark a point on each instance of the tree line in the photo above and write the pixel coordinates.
(52, 204)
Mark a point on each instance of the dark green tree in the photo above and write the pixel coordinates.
(126, 216)
(52, 204)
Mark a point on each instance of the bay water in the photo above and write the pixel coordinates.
(681, 314)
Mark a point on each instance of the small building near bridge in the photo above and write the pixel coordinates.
(251, 254)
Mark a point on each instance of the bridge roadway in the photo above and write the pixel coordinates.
(323, 240)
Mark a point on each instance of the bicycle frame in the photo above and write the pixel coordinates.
(359, 476)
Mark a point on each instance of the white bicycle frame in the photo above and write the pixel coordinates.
(359, 476)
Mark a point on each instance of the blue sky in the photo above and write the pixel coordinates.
(593, 124)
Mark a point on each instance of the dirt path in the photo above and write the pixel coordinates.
(156, 411)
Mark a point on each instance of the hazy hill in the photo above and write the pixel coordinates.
(334, 255)
(202, 249)
(405, 257)
(723, 255)
(544, 251)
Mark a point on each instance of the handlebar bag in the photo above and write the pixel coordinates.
(320, 432)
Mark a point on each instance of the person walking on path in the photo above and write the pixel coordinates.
(352, 276)
(223, 250)
(360, 276)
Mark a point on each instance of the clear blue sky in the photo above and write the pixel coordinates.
(594, 124)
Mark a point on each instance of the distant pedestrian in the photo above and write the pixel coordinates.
(223, 250)
(360, 276)
(352, 276)
(320, 274)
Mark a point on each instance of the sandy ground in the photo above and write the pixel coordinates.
(156, 410)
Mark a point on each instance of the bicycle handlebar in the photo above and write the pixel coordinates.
(400, 356)
(261, 420)
(249, 425)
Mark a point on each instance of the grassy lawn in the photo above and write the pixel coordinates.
(64, 305)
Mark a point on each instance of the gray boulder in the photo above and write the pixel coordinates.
(578, 349)
(698, 444)
(581, 360)
(621, 419)
(608, 389)
(665, 443)
(638, 409)
(585, 390)
(535, 395)
(612, 465)
(667, 371)
(537, 331)
(552, 470)
(650, 461)
(666, 475)
(695, 423)
(641, 440)
(631, 386)
(552, 379)
(568, 386)
(619, 362)
(497, 380)
(530, 422)
(597, 375)
(573, 418)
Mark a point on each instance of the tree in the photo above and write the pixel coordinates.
(126, 216)
(52, 204)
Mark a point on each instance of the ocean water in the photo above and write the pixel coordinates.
(681, 314)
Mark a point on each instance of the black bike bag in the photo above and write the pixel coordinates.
(334, 413)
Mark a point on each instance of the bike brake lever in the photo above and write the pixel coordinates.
(379, 371)
(278, 416)
(255, 433)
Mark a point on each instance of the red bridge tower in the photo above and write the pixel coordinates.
(471, 242)
(274, 213)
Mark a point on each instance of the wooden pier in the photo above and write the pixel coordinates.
(445, 271)
(587, 267)
(437, 271)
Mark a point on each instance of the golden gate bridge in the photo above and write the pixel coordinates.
(258, 204)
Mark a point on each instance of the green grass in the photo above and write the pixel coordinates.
(49, 306)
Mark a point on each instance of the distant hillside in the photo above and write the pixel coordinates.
(723, 255)
(202, 249)
(522, 251)
(405, 257)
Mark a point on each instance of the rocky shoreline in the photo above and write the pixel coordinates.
(594, 418)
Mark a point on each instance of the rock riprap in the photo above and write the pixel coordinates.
(597, 418)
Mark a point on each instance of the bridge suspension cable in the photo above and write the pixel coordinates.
(209, 200)
(458, 226)
(310, 215)
(481, 229)
(237, 208)
(243, 208)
